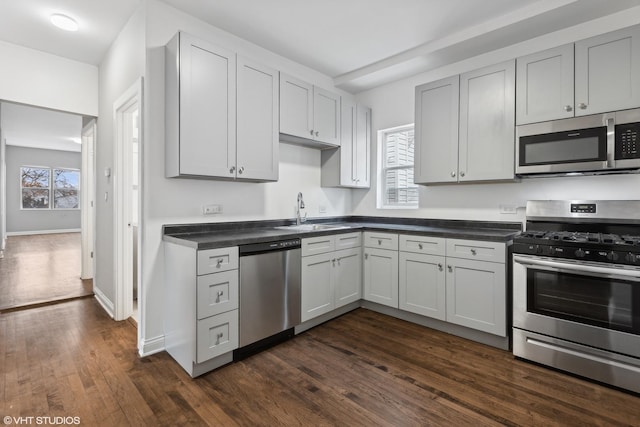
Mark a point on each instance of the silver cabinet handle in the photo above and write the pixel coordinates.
(582, 106)
(241, 170)
(450, 269)
(232, 170)
(219, 263)
(218, 295)
(218, 336)
(462, 174)
(311, 132)
(420, 245)
(317, 133)
(333, 261)
(379, 242)
(366, 256)
(453, 174)
(568, 108)
(473, 252)
(439, 266)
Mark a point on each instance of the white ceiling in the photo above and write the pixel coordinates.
(27, 126)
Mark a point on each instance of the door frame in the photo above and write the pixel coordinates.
(87, 197)
(122, 188)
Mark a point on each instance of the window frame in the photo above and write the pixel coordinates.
(50, 189)
(381, 188)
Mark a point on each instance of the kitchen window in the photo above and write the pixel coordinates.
(49, 188)
(396, 188)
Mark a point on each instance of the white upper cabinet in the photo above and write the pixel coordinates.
(349, 165)
(436, 131)
(221, 113)
(308, 113)
(487, 123)
(257, 118)
(465, 127)
(544, 85)
(200, 109)
(608, 72)
(596, 75)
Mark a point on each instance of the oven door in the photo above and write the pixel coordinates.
(593, 304)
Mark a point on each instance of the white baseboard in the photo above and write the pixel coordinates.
(151, 346)
(106, 304)
(34, 232)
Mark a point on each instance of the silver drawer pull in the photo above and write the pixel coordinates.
(366, 256)
(379, 241)
(473, 252)
(439, 267)
(218, 295)
(218, 336)
(219, 263)
(450, 269)
(420, 245)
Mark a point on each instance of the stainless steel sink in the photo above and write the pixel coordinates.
(312, 227)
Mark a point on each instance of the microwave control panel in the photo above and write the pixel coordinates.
(627, 141)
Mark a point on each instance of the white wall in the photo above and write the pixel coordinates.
(32, 77)
(122, 67)
(393, 105)
(171, 201)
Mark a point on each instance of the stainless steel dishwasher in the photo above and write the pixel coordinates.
(270, 276)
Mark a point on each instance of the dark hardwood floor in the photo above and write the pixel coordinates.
(41, 268)
(364, 368)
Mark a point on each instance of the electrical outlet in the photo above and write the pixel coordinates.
(211, 209)
(508, 209)
(322, 209)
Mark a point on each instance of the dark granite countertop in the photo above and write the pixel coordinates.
(218, 235)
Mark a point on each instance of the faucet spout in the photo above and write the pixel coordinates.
(300, 219)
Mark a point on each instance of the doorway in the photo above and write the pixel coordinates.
(127, 124)
(42, 186)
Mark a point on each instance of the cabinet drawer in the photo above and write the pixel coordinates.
(476, 249)
(217, 260)
(423, 244)
(374, 239)
(317, 245)
(217, 293)
(349, 240)
(217, 335)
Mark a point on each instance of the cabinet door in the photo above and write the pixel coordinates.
(207, 109)
(317, 287)
(348, 149)
(608, 72)
(216, 335)
(326, 116)
(422, 287)
(361, 147)
(381, 276)
(544, 85)
(476, 295)
(487, 123)
(257, 121)
(296, 107)
(348, 276)
(436, 131)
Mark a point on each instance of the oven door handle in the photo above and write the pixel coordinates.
(584, 269)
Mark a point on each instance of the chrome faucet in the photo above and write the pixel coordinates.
(299, 206)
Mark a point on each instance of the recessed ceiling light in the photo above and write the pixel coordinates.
(64, 22)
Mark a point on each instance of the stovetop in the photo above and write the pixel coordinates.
(586, 238)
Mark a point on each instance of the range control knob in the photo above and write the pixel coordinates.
(580, 253)
(612, 256)
(632, 258)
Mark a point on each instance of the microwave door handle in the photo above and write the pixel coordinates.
(611, 142)
(583, 269)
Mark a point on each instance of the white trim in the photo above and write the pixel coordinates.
(87, 200)
(35, 232)
(106, 304)
(122, 186)
(151, 346)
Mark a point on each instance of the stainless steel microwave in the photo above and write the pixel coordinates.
(598, 143)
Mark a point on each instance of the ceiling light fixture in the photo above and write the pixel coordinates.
(64, 22)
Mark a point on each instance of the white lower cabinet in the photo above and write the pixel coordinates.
(201, 306)
(453, 280)
(476, 295)
(332, 278)
(381, 268)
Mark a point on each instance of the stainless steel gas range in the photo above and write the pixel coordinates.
(576, 289)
